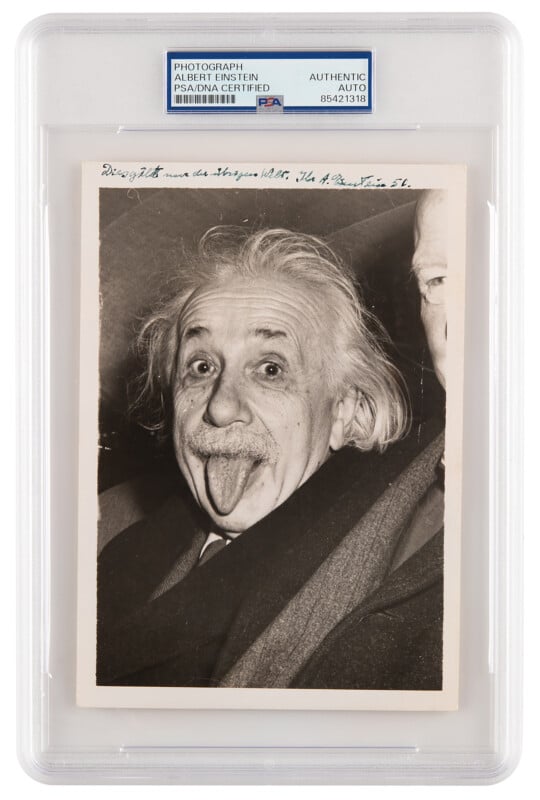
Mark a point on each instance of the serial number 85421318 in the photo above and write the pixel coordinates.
(343, 98)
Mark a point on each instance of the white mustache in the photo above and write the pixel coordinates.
(206, 441)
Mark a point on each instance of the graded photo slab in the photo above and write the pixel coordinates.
(270, 435)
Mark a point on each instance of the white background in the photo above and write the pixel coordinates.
(525, 780)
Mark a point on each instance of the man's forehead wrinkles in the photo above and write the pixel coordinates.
(430, 248)
(260, 306)
(254, 301)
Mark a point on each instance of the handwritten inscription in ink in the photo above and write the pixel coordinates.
(267, 173)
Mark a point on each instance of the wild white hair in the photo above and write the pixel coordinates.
(352, 355)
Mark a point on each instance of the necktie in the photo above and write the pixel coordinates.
(212, 549)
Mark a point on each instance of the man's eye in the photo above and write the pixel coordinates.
(201, 368)
(434, 290)
(269, 370)
(438, 281)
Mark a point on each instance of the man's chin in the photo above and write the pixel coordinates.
(238, 520)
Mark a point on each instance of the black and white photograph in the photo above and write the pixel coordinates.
(270, 447)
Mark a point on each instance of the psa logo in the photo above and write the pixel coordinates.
(270, 103)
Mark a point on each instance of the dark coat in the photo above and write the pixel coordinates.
(310, 597)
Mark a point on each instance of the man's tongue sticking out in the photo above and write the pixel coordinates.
(226, 479)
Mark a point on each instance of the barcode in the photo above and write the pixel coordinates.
(204, 99)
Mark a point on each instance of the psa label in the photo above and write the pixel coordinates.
(270, 102)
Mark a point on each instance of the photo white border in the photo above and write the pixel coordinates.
(358, 177)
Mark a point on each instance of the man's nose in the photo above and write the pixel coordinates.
(227, 403)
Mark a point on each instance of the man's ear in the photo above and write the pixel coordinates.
(344, 412)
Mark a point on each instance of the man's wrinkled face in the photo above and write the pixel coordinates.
(430, 268)
(253, 418)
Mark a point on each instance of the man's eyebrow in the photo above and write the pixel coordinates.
(270, 333)
(424, 263)
(194, 331)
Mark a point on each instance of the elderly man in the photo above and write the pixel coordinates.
(280, 561)
(430, 268)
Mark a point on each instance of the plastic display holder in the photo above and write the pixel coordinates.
(359, 620)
